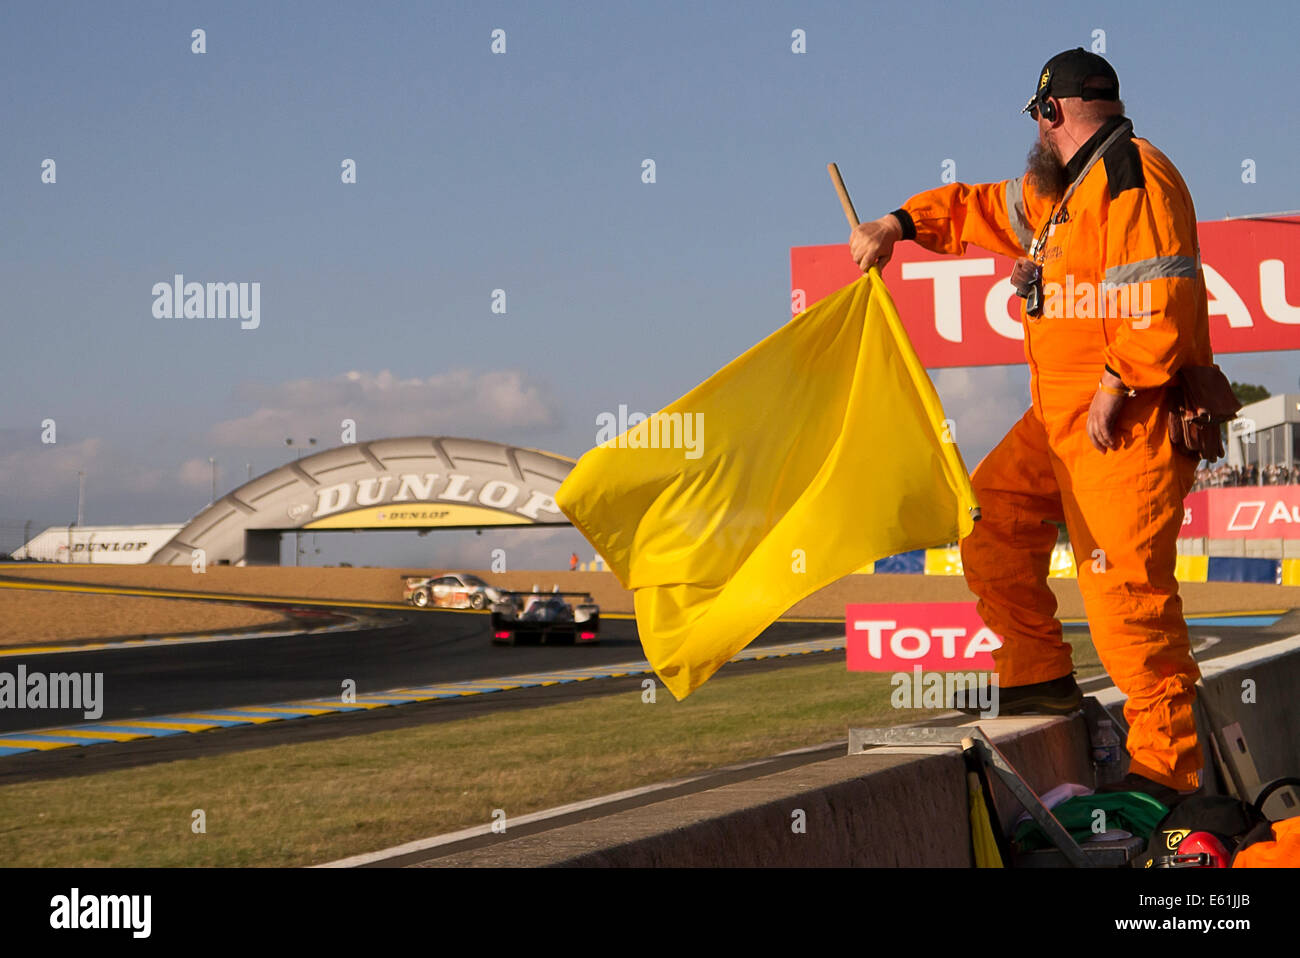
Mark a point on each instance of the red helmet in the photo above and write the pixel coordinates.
(1196, 850)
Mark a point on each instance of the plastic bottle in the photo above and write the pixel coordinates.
(1106, 754)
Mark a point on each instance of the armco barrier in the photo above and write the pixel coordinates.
(947, 561)
(1291, 571)
(1239, 569)
(906, 562)
(1187, 568)
(943, 561)
(893, 806)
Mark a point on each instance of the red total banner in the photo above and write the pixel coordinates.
(963, 311)
(938, 636)
(1243, 512)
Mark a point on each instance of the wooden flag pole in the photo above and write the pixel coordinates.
(851, 215)
(849, 212)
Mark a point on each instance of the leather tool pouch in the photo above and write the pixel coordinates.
(1201, 399)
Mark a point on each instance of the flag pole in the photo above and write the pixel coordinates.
(849, 212)
(851, 215)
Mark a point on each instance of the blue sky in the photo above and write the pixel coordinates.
(520, 172)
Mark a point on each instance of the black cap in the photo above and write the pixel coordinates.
(1063, 76)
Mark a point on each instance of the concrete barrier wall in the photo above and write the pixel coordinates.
(1264, 698)
(858, 810)
(891, 807)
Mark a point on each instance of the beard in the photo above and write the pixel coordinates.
(1045, 170)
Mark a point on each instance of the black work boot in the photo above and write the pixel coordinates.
(1057, 697)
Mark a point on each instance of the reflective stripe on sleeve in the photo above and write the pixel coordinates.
(1158, 267)
(1016, 214)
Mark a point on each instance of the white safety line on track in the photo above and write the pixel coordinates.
(354, 624)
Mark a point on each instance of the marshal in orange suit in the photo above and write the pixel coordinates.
(1104, 233)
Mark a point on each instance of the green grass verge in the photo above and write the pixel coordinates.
(315, 802)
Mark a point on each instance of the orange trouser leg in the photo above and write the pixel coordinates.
(1124, 510)
(1007, 557)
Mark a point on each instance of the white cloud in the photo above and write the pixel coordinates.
(984, 403)
(197, 473)
(458, 402)
(31, 470)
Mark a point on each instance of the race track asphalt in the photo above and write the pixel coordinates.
(408, 648)
(417, 648)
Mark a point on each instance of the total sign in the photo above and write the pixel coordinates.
(937, 636)
(963, 310)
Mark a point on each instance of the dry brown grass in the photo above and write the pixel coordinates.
(31, 618)
(385, 585)
(65, 616)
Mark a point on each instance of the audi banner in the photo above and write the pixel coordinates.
(1243, 512)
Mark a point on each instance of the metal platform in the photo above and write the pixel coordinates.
(1067, 852)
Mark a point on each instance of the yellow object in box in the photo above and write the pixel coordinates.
(1062, 565)
(1291, 571)
(1192, 568)
(945, 561)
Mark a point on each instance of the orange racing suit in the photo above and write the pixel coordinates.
(1123, 288)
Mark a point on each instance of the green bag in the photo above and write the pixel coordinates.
(1131, 811)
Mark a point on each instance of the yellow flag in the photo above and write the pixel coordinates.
(818, 451)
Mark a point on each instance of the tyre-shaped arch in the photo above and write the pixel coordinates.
(415, 482)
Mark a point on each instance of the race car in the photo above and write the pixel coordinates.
(451, 591)
(545, 617)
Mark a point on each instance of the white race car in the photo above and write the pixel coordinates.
(451, 591)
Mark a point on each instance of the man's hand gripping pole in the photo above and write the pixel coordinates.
(871, 243)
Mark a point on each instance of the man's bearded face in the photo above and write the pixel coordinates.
(1045, 170)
